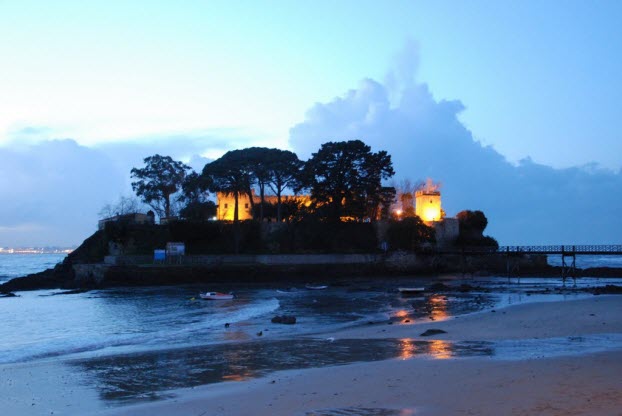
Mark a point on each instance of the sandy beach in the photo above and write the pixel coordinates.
(583, 383)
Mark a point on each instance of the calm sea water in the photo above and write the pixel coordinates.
(584, 262)
(15, 265)
(155, 328)
(44, 324)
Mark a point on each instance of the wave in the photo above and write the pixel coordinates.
(163, 336)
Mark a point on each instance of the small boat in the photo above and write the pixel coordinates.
(411, 290)
(216, 296)
(316, 287)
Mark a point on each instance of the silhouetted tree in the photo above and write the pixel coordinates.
(387, 199)
(409, 234)
(125, 205)
(345, 178)
(472, 225)
(275, 168)
(229, 175)
(195, 196)
(198, 211)
(157, 181)
(284, 169)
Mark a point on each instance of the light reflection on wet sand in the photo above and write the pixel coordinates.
(145, 376)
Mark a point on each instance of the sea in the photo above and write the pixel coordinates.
(117, 339)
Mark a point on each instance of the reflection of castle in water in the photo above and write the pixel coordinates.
(149, 375)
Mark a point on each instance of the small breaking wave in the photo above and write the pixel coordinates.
(164, 334)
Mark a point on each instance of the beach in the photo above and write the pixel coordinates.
(585, 381)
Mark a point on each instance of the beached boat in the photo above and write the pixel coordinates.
(316, 287)
(411, 290)
(216, 296)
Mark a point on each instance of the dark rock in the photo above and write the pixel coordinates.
(260, 333)
(608, 290)
(432, 332)
(438, 287)
(227, 325)
(465, 287)
(7, 295)
(70, 292)
(602, 272)
(284, 319)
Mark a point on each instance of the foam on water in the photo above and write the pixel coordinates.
(26, 338)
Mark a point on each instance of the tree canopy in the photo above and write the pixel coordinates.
(472, 225)
(231, 174)
(284, 169)
(157, 181)
(345, 179)
(195, 195)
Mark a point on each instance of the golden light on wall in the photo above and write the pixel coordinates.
(428, 205)
(428, 202)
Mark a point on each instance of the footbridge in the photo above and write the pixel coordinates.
(614, 250)
(568, 254)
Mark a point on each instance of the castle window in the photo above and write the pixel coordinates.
(246, 206)
(226, 206)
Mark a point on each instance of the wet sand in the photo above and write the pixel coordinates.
(534, 383)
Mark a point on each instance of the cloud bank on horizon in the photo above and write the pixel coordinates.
(55, 188)
(527, 203)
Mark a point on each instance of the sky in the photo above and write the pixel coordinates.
(513, 105)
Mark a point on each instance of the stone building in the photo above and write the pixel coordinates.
(225, 204)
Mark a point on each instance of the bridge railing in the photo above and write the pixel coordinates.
(566, 248)
(544, 249)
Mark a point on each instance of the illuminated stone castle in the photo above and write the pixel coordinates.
(428, 202)
(225, 204)
(428, 205)
(428, 208)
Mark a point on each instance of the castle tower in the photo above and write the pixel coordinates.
(428, 202)
(428, 205)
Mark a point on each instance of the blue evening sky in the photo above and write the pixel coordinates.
(513, 105)
(537, 78)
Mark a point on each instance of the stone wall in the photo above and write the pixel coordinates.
(249, 259)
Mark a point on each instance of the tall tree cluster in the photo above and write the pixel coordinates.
(344, 180)
(155, 184)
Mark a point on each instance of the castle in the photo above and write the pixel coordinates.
(427, 207)
(225, 204)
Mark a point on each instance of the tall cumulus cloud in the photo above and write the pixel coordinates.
(527, 203)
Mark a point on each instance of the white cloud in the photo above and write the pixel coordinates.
(526, 203)
(52, 190)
